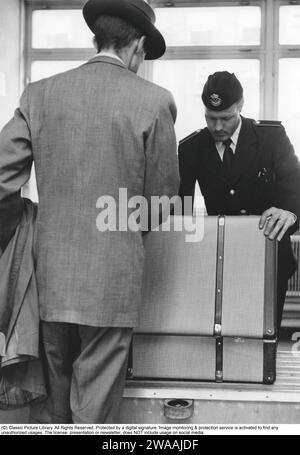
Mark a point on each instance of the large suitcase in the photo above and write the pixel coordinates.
(209, 308)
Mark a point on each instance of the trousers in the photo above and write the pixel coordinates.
(85, 369)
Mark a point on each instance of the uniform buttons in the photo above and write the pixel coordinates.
(232, 192)
(243, 212)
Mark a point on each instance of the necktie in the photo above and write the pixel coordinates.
(228, 156)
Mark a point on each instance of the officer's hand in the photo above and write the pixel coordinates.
(276, 222)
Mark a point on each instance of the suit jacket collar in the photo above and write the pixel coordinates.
(245, 152)
(106, 59)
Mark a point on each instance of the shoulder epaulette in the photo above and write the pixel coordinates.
(267, 123)
(189, 136)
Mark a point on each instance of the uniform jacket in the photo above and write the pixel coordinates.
(265, 173)
(90, 131)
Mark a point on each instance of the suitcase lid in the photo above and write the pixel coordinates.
(224, 284)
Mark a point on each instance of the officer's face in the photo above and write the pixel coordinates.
(223, 124)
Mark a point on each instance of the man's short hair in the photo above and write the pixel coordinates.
(115, 32)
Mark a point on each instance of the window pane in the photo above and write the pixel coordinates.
(210, 26)
(59, 29)
(46, 68)
(289, 95)
(186, 78)
(289, 25)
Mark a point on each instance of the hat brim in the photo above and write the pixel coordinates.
(155, 43)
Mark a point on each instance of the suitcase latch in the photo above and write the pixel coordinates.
(219, 376)
(221, 220)
(218, 329)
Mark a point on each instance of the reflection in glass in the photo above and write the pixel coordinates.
(60, 29)
(210, 26)
(289, 24)
(289, 96)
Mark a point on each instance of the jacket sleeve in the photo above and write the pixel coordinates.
(15, 167)
(161, 169)
(287, 175)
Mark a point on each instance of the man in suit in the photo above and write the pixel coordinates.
(244, 167)
(90, 131)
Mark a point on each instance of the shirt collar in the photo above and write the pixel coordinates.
(234, 138)
(111, 55)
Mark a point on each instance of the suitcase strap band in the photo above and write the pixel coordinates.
(270, 310)
(219, 359)
(219, 276)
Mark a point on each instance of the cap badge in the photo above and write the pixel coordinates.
(215, 100)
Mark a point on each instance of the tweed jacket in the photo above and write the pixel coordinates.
(90, 131)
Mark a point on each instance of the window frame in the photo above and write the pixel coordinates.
(255, 52)
(282, 51)
(64, 54)
(269, 52)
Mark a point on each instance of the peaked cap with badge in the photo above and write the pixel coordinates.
(137, 13)
(221, 91)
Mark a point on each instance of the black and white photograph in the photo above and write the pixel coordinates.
(149, 220)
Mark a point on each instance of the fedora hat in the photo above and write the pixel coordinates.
(137, 12)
